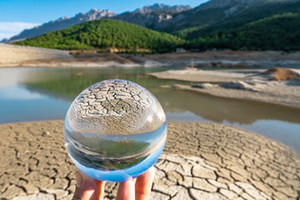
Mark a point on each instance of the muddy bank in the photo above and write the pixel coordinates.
(20, 56)
(228, 58)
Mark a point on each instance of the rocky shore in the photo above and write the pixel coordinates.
(276, 85)
(200, 161)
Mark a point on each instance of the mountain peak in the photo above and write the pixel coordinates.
(95, 14)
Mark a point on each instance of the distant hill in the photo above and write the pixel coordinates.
(101, 34)
(279, 32)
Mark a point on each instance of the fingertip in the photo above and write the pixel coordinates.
(144, 184)
(151, 172)
(147, 175)
(88, 188)
(126, 190)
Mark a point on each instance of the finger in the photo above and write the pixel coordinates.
(126, 190)
(100, 190)
(88, 188)
(143, 185)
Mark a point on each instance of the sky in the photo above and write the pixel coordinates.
(17, 15)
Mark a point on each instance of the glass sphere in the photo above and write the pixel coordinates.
(115, 130)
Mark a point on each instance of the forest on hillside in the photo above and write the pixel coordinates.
(102, 34)
(278, 32)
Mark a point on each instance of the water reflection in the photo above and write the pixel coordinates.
(44, 94)
(285, 132)
(18, 105)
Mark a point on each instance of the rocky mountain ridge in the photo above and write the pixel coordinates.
(61, 23)
(146, 16)
(152, 16)
(183, 21)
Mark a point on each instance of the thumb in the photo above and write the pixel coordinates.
(88, 188)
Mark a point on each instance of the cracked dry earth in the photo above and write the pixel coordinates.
(200, 161)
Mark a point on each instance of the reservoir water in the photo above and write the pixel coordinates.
(33, 94)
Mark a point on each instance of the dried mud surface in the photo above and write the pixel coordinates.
(200, 161)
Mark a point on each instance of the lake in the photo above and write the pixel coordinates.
(35, 94)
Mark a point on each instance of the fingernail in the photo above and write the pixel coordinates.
(79, 179)
(134, 180)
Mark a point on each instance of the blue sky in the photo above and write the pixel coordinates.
(17, 15)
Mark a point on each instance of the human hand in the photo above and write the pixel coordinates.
(88, 188)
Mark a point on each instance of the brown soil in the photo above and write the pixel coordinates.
(281, 74)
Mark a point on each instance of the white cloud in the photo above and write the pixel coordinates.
(9, 29)
(4, 35)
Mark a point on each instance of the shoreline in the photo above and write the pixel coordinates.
(24, 56)
(243, 95)
(238, 84)
(199, 160)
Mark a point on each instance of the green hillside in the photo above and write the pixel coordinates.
(101, 34)
(197, 23)
(279, 32)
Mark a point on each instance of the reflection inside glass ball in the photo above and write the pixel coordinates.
(115, 130)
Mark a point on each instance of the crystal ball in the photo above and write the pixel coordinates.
(115, 130)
